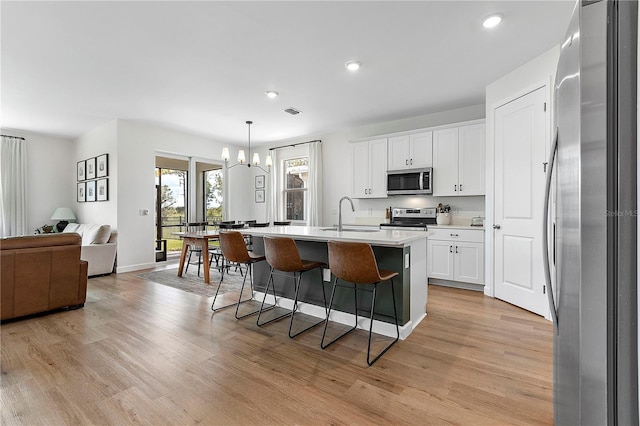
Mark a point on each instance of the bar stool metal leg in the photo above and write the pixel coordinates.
(326, 323)
(237, 304)
(295, 305)
(273, 290)
(395, 317)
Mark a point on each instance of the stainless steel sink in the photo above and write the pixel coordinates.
(335, 228)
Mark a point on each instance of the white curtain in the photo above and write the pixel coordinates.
(272, 210)
(13, 186)
(315, 184)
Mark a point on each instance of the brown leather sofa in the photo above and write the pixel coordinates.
(41, 273)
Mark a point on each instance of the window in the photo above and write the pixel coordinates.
(296, 175)
(213, 197)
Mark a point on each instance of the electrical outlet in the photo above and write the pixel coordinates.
(326, 275)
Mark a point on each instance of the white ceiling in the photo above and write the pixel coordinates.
(203, 67)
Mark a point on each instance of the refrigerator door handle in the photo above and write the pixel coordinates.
(545, 234)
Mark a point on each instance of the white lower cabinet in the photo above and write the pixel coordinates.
(456, 255)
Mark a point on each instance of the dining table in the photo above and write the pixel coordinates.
(201, 239)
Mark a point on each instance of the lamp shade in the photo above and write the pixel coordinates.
(268, 161)
(225, 154)
(63, 213)
(241, 158)
(256, 159)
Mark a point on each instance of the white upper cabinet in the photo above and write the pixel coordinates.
(370, 169)
(445, 162)
(472, 161)
(411, 151)
(459, 161)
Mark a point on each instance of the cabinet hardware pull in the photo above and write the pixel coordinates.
(456, 249)
(450, 249)
(460, 187)
(496, 226)
(411, 161)
(454, 235)
(455, 188)
(406, 162)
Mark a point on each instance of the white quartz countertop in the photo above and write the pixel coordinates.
(314, 233)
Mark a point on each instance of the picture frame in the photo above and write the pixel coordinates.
(90, 170)
(260, 196)
(102, 165)
(102, 189)
(81, 170)
(81, 194)
(90, 191)
(259, 181)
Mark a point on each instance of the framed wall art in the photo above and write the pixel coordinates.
(102, 165)
(81, 173)
(81, 192)
(90, 170)
(260, 196)
(91, 191)
(102, 189)
(259, 181)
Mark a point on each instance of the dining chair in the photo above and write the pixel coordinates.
(194, 249)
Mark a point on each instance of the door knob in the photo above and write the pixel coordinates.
(496, 226)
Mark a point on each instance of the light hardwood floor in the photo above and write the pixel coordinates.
(144, 353)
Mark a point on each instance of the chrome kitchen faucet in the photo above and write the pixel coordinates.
(353, 209)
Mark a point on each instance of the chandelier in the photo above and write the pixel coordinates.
(255, 160)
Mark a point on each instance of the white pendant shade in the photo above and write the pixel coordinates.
(256, 159)
(225, 154)
(268, 162)
(241, 158)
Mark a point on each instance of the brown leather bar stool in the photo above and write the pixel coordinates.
(235, 251)
(356, 263)
(283, 256)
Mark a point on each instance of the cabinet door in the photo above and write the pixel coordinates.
(469, 262)
(378, 168)
(360, 187)
(471, 165)
(398, 158)
(440, 259)
(445, 162)
(421, 150)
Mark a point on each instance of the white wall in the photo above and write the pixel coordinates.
(51, 176)
(137, 146)
(528, 77)
(101, 140)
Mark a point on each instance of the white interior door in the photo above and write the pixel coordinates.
(520, 141)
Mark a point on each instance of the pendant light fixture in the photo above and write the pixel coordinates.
(255, 160)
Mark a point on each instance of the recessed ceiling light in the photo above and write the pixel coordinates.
(271, 93)
(352, 65)
(492, 20)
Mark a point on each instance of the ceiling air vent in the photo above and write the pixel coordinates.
(292, 111)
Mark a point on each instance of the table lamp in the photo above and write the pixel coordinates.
(64, 215)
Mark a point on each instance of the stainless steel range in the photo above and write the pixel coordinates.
(411, 219)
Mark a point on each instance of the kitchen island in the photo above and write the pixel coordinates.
(401, 251)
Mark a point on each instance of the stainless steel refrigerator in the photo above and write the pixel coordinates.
(592, 234)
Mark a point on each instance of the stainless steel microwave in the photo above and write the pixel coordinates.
(410, 181)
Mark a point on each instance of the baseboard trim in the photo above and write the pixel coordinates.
(132, 268)
(379, 327)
